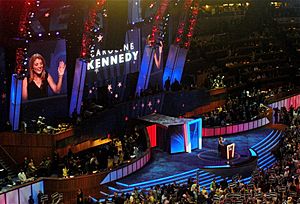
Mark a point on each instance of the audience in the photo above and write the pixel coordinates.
(241, 108)
(41, 126)
(104, 157)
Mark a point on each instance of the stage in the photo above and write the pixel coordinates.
(164, 164)
(253, 150)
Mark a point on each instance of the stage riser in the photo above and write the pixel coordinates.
(244, 171)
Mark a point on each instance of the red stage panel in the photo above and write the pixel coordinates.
(241, 128)
(223, 131)
(210, 131)
(246, 126)
(229, 129)
(152, 135)
(251, 125)
(217, 131)
(293, 101)
(2, 198)
(287, 103)
(204, 132)
(234, 128)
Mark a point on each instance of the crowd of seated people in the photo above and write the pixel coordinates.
(225, 10)
(102, 158)
(247, 106)
(287, 116)
(242, 108)
(108, 156)
(41, 126)
(256, 58)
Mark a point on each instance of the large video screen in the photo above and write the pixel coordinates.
(47, 71)
(44, 88)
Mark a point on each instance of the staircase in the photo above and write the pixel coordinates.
(8, 163)
(204, 179)
(263, 149)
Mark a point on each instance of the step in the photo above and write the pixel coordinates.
(267, 159)
(205, 177)
(270, 145)
(160, 179)
(267, 144)
(263, 141)
(268, 164)
(269, 140)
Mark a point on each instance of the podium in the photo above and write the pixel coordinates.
(227, 150)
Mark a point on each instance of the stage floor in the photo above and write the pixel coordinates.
(164, 164)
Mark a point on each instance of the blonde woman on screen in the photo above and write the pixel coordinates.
(36, 86)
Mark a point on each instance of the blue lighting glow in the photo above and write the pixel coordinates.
(217, 166)
(179, 65)
(157, 180)
(195, 135)
(172, 55)
(177, 140)
(15, 101)
(145, 70)
(253, 153)
(261, 142)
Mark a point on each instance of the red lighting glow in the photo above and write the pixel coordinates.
(88, 27)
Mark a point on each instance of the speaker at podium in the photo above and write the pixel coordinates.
(227, 150)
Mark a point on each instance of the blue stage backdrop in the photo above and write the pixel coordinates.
(176, 135)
